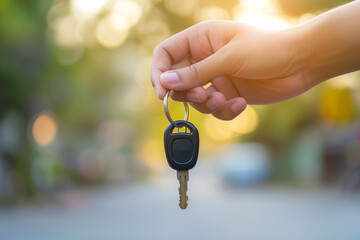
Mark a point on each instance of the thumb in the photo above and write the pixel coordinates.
(197, 74)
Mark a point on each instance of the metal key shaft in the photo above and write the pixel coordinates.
(183, 177)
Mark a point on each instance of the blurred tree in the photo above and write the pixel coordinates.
(24, 61)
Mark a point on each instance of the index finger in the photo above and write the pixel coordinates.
(165, 55)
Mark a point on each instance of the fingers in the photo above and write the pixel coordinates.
(219, 107)
(205, 52)
(196, 74)
(211, 101)
(231, 109)
(214, 102)
(197, 94)
(225, 85)
(165, 55)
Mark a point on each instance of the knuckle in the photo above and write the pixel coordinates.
(200, 107)
(156, 49)
(207, 23)
(177, 96)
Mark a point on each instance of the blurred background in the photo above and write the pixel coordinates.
(81, 132)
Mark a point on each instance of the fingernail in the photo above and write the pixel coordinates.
(170, 77)
(193, 97)
(236, 107)
(211, 104)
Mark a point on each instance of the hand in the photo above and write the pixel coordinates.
(249, 65)
(242, 63)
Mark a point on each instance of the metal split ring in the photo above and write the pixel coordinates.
(166, 109)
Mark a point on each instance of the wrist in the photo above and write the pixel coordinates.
(329, 45)
(316, 52)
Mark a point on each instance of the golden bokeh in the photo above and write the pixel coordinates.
(44, 129)
(246, 123)
(108, 35)
(87, 8)
(220, 130)
(212, 13)
(182, 8)
(336, 105)
(217, 129)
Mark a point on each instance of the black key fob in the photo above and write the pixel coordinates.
(181, 148)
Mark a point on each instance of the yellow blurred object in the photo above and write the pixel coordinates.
(182, 8)
(44, 129)
(212, 13)
(246, 123)
(336, 105)
(217, 129)
(221, 130)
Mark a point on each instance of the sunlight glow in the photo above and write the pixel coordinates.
(113, 30)
(260, 13)
(212, 13)
(125, 14)
(87, 8)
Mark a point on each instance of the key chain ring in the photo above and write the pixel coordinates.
(166, 109)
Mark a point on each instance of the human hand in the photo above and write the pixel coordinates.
(244, 64)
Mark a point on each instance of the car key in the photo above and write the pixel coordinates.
(181, 149)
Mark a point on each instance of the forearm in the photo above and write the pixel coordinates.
(330, 43)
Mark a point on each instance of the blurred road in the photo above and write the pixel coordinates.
(149, 210)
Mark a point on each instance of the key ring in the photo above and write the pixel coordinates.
(166, 109)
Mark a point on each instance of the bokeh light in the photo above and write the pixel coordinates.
(125, 14)
(87, 8)
(182, 8)
(246, 123)
(216, 129)
(220, 130)
(110, 36)
(212, 13)
(44, 129)
(260, 13)
(65, 31)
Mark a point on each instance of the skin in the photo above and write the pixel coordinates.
(222, 66)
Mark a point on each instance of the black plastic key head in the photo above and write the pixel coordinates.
(181, 148)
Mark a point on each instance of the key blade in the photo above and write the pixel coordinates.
(183, 177)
